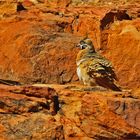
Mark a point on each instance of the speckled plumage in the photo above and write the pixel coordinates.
(94, 69)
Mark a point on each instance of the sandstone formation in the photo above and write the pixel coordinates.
(38, 45)
(67, 112)
(124, 45)
(43, 43)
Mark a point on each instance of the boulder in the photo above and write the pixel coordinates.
(123, 50)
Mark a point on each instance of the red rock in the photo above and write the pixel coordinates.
(58, 3)
(95, 107)
(38, 46)
(123, 51)
(7, 7)
(30, 46)
(28, 3)
(27, 99)
(84, 113)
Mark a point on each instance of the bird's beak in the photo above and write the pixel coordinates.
(81, 46)
(78, 45)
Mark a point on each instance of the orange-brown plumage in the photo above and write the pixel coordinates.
(94, 69)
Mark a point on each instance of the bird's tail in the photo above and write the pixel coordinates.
(108, 84)
(115, 87)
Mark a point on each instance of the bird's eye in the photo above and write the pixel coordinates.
(82, 42)
(83, 46)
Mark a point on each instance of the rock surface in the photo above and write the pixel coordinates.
(67, 112)
(123, 48)
(38, 46)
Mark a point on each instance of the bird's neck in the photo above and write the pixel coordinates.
(91, 51)
(83, 54)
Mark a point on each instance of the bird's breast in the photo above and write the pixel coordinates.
(80, 61)
(79, 73)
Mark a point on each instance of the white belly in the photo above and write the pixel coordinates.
(83, 76)
(79, 73)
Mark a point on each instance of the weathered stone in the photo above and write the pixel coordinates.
(38, 46)
(46, 52)
(28, 99)
(123, 50)
(83, 113)
(7, 7)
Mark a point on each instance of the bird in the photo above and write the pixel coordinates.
(93, 68)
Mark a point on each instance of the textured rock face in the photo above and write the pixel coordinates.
(44, 50)
(37, 53)
(38, 46)
(112, 106)
(7, 7)
(66, 3)
(67, 112)
(123, 48)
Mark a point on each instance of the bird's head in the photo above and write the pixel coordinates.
(86, 44)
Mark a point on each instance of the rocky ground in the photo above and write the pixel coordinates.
(38, 50)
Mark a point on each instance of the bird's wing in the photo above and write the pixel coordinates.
(103, 65)
(97, 68)
(101, 70)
